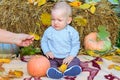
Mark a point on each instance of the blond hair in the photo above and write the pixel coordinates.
(64, 6)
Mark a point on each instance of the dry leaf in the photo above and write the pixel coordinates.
(31, 1)
(75, 3)
(4, 60)
(15, 73)
(63, 67)
(111, 66)
(116, 67)
(92, 9)
(99, 62)
(36, 36)
(85, 6)
(41, 2)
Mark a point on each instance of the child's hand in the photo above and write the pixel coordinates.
(68, 59)
(50, 55)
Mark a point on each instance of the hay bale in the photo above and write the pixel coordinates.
(19, 16)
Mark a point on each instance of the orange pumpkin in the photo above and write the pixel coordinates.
(91, 42)
(38, 65)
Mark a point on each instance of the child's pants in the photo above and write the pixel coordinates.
(56, 62)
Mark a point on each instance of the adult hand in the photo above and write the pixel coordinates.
(23, 39)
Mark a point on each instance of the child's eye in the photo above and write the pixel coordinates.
(59, 20)
(52, 19)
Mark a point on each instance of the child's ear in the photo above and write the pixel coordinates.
(69, 20)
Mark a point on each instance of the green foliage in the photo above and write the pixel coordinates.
(118, 40)
(116, 1)
(102, 34)
(30, 50)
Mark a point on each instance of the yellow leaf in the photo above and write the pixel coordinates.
(91, 53)
(93, 9)
(63, 67)
(18, 73)
(3, 60)
(75, 3)
(80, 21)
(45, 18)
(37, 37)
(99, 62)
(116, 67)
(111, 66)
(108, 57)
(31, 1)
(118, 50)
(85, 6)
(41, 2)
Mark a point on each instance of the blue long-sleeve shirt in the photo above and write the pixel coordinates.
(61, 43)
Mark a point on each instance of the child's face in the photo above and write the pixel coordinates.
(59, 19)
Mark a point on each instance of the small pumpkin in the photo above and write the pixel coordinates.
(38, 65)
(91, 43)
(98, 41)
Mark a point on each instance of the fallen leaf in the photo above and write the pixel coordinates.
(92, 9)
(85, 6)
